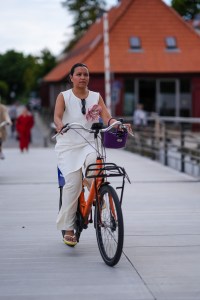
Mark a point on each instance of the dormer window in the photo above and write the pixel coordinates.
(135, 43)
(170, 42)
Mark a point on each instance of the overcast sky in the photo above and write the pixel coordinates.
(29, 26)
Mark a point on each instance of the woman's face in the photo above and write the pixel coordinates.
(80, 78)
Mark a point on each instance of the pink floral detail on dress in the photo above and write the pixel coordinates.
(93, 113)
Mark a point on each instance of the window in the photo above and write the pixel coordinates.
(167, 98)
(185, 86)
(185, 98)
(170, 42)
(129, 97)
(167, 87)
(135, 43)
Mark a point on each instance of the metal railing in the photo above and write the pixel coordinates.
(175, 142)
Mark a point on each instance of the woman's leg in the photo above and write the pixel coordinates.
(90, 159)
(67, 216)
(71, 191)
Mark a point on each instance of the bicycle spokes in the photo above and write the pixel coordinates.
(109, 226)
(112, 208)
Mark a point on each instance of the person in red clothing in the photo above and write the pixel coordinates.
(24, 124)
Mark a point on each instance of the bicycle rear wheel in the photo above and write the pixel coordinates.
(109, 225)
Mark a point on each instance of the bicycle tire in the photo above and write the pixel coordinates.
(109, 228)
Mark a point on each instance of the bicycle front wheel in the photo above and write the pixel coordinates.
(109, 225)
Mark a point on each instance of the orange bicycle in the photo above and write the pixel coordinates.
(108, 218)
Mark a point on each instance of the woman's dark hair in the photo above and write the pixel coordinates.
(76, 66)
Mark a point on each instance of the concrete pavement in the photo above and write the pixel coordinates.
(162, 235)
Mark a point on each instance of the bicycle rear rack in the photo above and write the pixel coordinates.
(100, 170)
(105, 170)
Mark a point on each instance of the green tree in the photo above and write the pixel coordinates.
(30, 74)
(46, 61)
(186, 8)
(85, 13)
(12, 66)
(20, 75)
(3, 90)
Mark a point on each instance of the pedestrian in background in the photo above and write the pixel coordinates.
(139, 117)
(4, 120)
(24, 124)
(13, 117)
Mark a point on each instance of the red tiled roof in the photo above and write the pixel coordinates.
(150, 20)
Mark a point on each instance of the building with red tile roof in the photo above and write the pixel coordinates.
(154, 59)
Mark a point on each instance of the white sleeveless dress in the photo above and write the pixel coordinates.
(71, 148)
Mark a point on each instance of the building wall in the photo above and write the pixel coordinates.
(196, 98)
(44, 94)
(96, 84)
(167, 96)
(181, 95)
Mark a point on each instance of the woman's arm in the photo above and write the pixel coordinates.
(58, 112)
(105, 115)
(6, 116)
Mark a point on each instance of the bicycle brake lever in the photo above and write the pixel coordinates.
(61, 132)
(65, 126)
(64, 129)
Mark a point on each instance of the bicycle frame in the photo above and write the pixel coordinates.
(86, 205)
(100, 172)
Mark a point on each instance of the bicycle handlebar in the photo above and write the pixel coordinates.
(68, 126)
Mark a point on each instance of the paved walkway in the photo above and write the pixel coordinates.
(162, 235)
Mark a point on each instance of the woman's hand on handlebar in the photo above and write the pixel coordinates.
(120, 125)
(129, 128)
(59, 127)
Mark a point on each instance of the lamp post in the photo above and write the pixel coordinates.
(107, 61)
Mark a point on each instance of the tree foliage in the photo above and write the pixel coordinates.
(85, 13)
(3, 89)
(20, 74)
(186, 8)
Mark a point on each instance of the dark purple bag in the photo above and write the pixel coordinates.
(115, 138)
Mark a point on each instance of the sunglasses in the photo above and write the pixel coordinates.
(83, 109)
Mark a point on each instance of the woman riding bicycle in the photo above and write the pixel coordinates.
(81, 105)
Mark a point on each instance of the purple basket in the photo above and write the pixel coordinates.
(115, 139)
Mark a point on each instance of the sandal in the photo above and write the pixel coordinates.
(70, 240)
